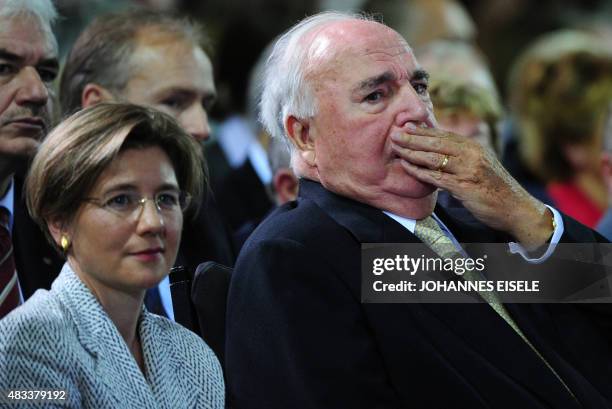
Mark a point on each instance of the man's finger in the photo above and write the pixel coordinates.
(432, 132)
(438, 144)
(433, 177)
(431, 160)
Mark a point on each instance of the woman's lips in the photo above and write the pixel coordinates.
(149, 254)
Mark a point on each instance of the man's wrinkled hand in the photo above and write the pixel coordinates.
(472, 174)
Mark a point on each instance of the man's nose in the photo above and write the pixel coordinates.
(195, 121)
(412, 107)
(32, 90)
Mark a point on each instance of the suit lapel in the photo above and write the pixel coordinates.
(365, 223)
(169, 385)
(113, 362)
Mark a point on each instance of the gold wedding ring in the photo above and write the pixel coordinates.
(443, 164)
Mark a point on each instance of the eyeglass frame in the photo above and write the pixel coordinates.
(140, 203)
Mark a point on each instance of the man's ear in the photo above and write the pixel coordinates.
(285, 185)
(94, 94)
(299, 133)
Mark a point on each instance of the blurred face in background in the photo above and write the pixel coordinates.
(174, 76)
(607, 132)
(467, 124)
(606, 156)
(28, 65)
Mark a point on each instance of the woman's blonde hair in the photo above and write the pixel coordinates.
(80, 148)
(559, 91)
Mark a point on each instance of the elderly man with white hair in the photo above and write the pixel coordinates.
(353, 103)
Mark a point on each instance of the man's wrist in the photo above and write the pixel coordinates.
(535, 227)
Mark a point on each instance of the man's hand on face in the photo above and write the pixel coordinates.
(473, 175)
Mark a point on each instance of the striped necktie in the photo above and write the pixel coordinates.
(9, 291)
(432, 235)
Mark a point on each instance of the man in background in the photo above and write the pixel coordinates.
(28, 66)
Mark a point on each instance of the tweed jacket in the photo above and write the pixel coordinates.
(63, 339)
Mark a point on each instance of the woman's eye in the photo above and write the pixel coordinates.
(168, 200)
(121, 201)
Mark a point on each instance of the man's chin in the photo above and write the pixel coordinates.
(409, 187)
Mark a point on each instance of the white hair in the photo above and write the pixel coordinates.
(43, 10)
(285, 91)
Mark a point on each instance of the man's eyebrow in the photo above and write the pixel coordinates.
(373, 82)
(51, 62)
(420, 74)
(185, 91)
(7, 55)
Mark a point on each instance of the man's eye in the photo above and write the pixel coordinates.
(421, 88)
(121, 201)
(47, 75)
(207, 103)
(174, 103)
(7, 69)
(375, 96)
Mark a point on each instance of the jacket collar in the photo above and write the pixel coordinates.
(100, 337)
(368, 224)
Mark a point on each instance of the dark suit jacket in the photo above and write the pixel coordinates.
(242, 197)
(299, 337)
(204, 238)
(37, 263)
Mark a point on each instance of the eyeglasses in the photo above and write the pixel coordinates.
(130, 204)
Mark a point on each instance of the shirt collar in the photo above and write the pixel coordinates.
(410, 224)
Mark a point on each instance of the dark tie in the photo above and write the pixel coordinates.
(9, 290)
(153, 302)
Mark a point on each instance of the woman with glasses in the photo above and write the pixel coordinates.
(109, 187)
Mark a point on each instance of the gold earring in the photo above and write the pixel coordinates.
(64, 243)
